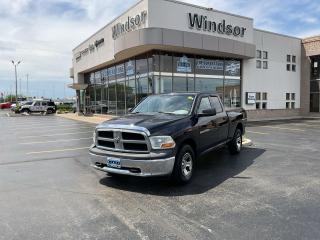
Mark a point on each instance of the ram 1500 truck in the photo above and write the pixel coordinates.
(165, 135)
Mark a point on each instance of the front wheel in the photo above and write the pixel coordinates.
(184, 165)
(235, 145)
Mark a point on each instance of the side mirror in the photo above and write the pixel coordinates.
(208, 112)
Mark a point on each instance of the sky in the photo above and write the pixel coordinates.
(42, 33)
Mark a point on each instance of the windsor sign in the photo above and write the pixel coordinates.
(131, 24)
(201, 22)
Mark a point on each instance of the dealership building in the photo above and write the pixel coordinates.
(163, 46)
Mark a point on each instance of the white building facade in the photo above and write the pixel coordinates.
(161, 46)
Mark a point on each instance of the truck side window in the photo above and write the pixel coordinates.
(216, 104)
(37, 104)
(204, 104)
(44, 104)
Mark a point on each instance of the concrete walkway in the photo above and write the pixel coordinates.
(89, 119)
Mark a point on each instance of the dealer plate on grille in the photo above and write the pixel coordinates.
(114, 162)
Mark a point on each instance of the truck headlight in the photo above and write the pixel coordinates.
(162, 142)
(94, 137)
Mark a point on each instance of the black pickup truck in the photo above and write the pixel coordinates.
(165, 134)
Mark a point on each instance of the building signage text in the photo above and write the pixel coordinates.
(183, 65)
(90, 49)
(251, 98)
(201, 22)
(205, 64)
(131, 24)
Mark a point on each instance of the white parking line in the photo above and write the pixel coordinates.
(53, 141)
(284, 128)
(61, 129)
(51, 126)
(58, 150)
(58, 134)
(262, 133)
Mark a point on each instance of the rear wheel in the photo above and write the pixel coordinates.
(235, 145)
(184, 165)
(49, 111)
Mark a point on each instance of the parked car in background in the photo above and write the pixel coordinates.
(166, 134)
(22, 103)
(5, 105)
(39, 106)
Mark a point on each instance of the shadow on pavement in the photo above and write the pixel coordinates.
(212, 170)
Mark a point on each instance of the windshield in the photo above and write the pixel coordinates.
(178, 105)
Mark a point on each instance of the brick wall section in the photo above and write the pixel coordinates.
(312, 45)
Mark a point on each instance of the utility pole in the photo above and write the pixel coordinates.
(15, 71)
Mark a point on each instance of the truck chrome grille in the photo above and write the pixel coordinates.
(122, 140)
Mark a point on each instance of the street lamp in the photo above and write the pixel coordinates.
(15, 64)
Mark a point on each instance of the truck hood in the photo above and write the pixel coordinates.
(152, 122)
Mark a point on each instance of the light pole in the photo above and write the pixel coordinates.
(27, 85)
(15, 71)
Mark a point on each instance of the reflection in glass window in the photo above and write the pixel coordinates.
(216, 104)
(142, 87)
(112, 90)
(183, 64)
(209, 66)
(163, 84)
(232, 68)
(209, 85)
(204, 105)
(166, 63)
(179, 84)
(232, 93)
(120, 88)
(130, 84)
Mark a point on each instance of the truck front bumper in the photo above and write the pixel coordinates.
(142, 166)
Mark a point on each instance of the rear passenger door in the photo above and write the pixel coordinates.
(36, 106)
(43, 106)
(221, 120)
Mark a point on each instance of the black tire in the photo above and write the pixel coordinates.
(50, 111)
(25, 110)
(235, 145)
(184, 165)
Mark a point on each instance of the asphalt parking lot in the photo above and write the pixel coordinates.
(48, 191)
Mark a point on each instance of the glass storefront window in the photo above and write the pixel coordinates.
(183, 72)
(209, 67)
(232, 68)
(163, 84)
(112, 90)
(209, 85)
(315, 102)
(130, 84)
(104, 92)
(120, 88)
(166, 63)
(232, 93)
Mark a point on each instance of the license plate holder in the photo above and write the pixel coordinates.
(114, 162)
